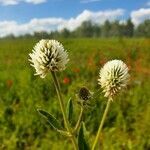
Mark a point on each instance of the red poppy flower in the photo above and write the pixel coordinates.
(66, 80)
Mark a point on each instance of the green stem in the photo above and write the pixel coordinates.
(57, 86)
(101, 124)
(79, 120)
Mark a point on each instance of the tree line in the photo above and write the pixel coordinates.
(89, 29)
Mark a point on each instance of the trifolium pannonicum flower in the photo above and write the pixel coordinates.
(48, 55)
(113, 77)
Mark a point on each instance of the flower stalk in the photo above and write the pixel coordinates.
(79, 120)
(101, 124)
(57, 86)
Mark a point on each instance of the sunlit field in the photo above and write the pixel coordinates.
(127, 126)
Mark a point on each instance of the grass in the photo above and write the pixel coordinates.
(128, 122)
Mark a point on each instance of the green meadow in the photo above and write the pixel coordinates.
(127, 126)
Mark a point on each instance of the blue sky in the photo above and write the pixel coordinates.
(22, 12)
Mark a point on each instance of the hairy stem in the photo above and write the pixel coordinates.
(101, 124)
(57, 86)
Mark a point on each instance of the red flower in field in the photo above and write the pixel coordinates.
(76, 70)
(9, 83)
(66, 80)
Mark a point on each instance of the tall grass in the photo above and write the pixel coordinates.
(127, 126)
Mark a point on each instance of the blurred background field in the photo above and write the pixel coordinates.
(128, 123)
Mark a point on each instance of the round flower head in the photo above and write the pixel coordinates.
(84, 94)
(113, 77)
(84, 97)
(48, 55)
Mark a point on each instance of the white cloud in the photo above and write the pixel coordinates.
(50, 24)
(140, 15)
(35, 1)
(8, 2)
(89, 1)
(96, 17)
(12, 27)
(15, 2)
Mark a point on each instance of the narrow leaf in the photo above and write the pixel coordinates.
(86, 133)
(51, 119)
(69, 110)
(64, 133)
(82, 143)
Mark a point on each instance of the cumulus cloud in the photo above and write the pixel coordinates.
(8, 2)
(35, 1)
(96, 17)
(12, 27)
(140, 15)
(51, 24)
(15, 2)
(89, 1)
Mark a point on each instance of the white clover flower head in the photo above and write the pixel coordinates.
(113, 77)
(48, 55)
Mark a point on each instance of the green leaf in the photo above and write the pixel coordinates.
(51, 119)
(86, 133)
(82, 143)
(69, 110)
(64, 133)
